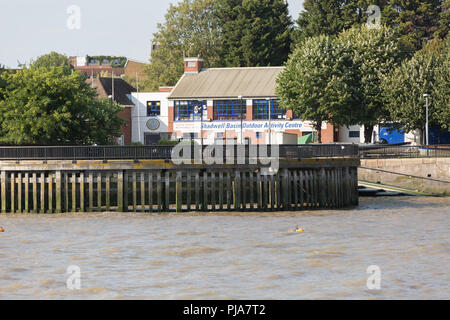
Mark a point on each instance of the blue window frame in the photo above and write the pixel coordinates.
(229, 109)
(153, 108)
(353, 134)
(185, 110)
(261, 110)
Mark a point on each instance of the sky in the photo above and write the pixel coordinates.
(30, 28)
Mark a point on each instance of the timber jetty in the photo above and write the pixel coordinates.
(165, 179)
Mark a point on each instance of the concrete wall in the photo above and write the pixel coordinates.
(412, 170)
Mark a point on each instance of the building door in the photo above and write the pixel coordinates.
(151, 139)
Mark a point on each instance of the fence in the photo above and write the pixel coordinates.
(165, 152)
(386, 151)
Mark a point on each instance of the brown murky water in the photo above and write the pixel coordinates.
(232, 256)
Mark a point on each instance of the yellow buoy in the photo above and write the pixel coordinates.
(299, 230)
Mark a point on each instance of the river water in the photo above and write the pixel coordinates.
(232, 256)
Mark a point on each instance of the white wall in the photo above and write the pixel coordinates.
(139, 114)
(344, 134)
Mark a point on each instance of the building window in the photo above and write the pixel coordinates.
(258, 135)
(153, 108)
(190, 135)
(229, 109)
(261, 110)
(188, 109)
(353, 134)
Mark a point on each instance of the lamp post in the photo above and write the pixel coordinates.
(240, 105)
(270, 118)
(110, 116)
(426, 95)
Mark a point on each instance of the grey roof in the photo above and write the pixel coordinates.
(257, 82)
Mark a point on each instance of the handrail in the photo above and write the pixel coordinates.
(165, 152)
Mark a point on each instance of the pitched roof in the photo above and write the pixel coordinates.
(256, 82)
(121, 89)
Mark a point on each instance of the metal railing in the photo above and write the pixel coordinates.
(405, 151)
(165, 152)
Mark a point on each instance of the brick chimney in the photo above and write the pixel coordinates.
(193, 65)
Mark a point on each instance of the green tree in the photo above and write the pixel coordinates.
(319, 83)
(329, 17)
(53, 59)
(45, 106)
(2, 81)
(444, 20)
(374, 53)
(254, 32)
(190, 28)
(426, 72)
(415, 21)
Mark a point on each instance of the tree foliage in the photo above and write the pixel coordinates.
(44, 106)
(190, 28)
(427, 72)
(374, 53)
(53, 59)
(254, 32)
(319, 83)
(415, 21)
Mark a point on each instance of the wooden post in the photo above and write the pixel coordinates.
(296, 188)
(82, 208)
(91, 191)
(205, 191)
(19, 192)
(3, 186)
(108, 191)
(189, 190)
(126, 188)
(120, 204)
(42, 182)
(74, 192)
(57, 191)
(142, 192)
(159, 190)
(259, 190)
(244, 187)
(13, 192)
(301, 188)
(221, 190)
(167, 195)
(179, 191)
(252, 194)
(35, 203)
(134, 186)
(50, 192)
(150, 191)
(237, 190)
(213, 190)
(229, 190)
(285, 189)
(27, 207)
(197, 191)
(99, 191)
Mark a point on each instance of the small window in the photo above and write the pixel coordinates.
(258, 135)
(189, 135)
(191, 64)
(353, 134)
(153, 108)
